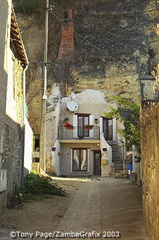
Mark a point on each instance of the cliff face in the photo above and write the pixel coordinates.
(111, 43)
(112, 48)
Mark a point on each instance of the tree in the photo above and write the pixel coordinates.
(128, 112)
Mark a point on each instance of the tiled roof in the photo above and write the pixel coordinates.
(17, 42)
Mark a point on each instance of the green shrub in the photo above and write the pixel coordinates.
(15, 199)
(37, 184)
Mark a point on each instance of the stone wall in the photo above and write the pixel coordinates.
(18, 90)
(150, 166)
(11, 106)
(13, 131)
(13, 155)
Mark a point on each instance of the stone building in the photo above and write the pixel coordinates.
(15, 155)
(107, 48)
(87, 143)
(150, 153)
(73, 148)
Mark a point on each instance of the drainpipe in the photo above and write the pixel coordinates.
(24, 91)
(23, 141)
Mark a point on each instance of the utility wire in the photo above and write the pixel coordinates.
(100, 50)
(86, 40)
(115, 75)
(122, 13)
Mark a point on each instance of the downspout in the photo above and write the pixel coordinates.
(23, 141)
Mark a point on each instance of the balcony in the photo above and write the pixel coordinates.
(79, 133)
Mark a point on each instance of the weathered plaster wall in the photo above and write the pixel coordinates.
(65, 158)
(89, 101)
(52, 123)
(14, 104)
(150, 166)
(11, 106)
(13, 128)
(5, 15)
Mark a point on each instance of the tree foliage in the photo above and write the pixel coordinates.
(128, 113)
(29, 6)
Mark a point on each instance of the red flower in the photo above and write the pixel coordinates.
(88, 126)
(68, 125)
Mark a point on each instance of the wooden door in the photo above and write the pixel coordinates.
(108, 128)
(97, 163)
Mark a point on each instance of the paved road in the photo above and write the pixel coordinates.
(101, 206)
(106, 205)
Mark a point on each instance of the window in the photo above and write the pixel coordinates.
(36, 142)
(79, 160)
(108, 128)
(83, 119)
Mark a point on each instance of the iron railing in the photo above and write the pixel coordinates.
(78, 133)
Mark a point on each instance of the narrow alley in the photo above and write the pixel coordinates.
(79, 115)
(106, 205)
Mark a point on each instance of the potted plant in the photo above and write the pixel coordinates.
(69, 126)
(66, 119)
(96, 120)
(88, 126)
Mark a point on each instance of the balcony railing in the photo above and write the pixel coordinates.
(79, 133)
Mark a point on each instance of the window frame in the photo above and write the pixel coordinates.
(107, 136)
(72, 155)
(85, 132)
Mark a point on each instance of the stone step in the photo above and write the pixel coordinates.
(118, 168)
(116, 161)
(119, 175)
(118, 164)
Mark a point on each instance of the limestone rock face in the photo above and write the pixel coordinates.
(111, 43)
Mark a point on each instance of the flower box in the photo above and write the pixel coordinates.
(88, 127)
(69, 126)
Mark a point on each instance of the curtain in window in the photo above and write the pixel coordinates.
(79, 160)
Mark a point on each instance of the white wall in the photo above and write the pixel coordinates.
(89, 101)
(66, 158)
(28, 147)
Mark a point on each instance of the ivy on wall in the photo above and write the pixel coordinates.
(128, 112)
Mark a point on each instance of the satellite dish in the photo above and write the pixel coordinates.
(72, 106)
(73, 96)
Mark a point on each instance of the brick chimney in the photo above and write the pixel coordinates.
(66, 49)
